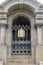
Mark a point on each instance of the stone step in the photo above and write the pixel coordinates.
(21, 57)
(21, 62)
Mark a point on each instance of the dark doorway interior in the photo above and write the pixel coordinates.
(21, 39)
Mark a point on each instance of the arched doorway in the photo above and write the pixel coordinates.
(21, 39)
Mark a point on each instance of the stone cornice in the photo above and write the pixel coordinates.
(39, 19)
(38, 24)
(3, 16)
(3, 19)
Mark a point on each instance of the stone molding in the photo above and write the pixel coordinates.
(3, 19)
(39, 19)
(3, 16)
(9, 3)
(38, 7)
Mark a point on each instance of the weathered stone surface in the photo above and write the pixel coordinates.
(28, 9)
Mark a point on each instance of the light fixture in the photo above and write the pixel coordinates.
(21, 32)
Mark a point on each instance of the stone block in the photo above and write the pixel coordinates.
(3, 54)
(39, 54)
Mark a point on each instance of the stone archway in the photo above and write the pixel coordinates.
(21, 4)
(29, 6)
(25, 13)
(16, 56)
(29, 17)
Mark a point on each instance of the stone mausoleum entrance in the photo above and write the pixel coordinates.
(21, 39)
(21, 32)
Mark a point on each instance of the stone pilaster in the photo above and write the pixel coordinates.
(39, 47)
(39, 24)
(3, 48)
(3, 23)
(39, 35)
(3, 35)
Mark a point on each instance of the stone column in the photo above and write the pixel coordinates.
(3, 35)
(39, 35)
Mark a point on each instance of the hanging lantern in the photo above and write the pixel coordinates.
(21, 32)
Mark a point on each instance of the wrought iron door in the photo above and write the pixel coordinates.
(21, 39)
